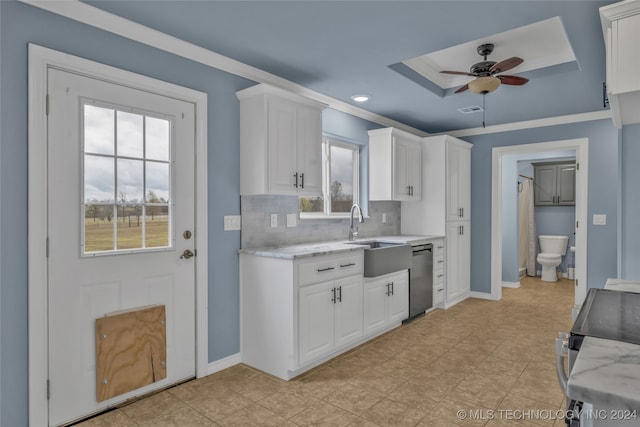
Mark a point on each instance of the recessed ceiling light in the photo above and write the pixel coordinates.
(360, 97)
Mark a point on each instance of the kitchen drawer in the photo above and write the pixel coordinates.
(438, 249)
(438, 262)
(330, 267)
(438, 294)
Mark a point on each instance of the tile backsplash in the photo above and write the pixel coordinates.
(257, 232)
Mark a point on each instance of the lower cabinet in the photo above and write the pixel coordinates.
(438, 273)
(297, 313)
(386, 301)
(458, 261)
(330, 317)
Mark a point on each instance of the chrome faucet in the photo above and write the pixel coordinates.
(353, 232)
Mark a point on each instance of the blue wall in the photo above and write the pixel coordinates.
(22, 24)
(603, 180)
(630, 235)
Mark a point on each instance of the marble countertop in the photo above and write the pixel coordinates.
(623, 285)
(328, 248)
(607, 374)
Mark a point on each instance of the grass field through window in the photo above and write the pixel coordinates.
(99, 233)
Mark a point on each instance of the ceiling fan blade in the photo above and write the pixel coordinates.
(505, 65)
(460, 73)
(462, 88)
(513, 80)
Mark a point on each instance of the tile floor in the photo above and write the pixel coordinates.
(476, 356)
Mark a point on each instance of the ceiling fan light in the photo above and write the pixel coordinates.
(484, 85)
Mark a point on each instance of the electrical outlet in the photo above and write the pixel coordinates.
(274, 220)
(232, 222)
(291, 220)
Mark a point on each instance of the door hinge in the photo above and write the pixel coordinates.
(48, 390)
(46, 105)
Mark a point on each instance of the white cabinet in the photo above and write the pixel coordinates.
(445, 211)
(621, 27)
(554, 184)
(330, 316)
(386, 301)
(458, 179)
(297, 313)
(395, 168)
(458, 250)
(280, 142)
(438, 272)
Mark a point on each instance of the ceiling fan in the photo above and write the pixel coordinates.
(486, 73)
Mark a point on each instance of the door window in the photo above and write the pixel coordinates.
(127, 191)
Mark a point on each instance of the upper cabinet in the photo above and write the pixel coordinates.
(446, 184)
(554, 184)
(280, 142)
(395, 165)
(621, 28)
(458, 173)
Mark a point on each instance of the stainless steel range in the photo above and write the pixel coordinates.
(607, 314)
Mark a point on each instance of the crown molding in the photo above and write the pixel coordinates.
(98, 18)
(530, 124)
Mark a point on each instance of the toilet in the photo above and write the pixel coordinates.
(552, 249)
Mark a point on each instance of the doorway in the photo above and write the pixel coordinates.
(98, 241)
(502, 155)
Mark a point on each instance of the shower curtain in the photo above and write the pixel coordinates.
(527, 228)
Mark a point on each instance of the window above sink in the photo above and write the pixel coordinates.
(340, 179)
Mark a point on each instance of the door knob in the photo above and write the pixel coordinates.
(186, 254)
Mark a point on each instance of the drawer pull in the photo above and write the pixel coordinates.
(440, 247)
(440, 290)
(440, 275)
(441, 261)
(320, 270)
(347, 265)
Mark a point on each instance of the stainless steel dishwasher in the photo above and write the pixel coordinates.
(421, 280)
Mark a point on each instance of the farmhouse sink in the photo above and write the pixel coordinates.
(382, 257)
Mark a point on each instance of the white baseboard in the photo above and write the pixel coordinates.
(224, 363)
(510, 284)
(482, 295)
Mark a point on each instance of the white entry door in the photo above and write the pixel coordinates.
(120, 218)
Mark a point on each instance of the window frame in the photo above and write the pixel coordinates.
(327, 213)
(116, 204)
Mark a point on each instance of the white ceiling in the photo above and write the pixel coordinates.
(541, 44)
(340, 48)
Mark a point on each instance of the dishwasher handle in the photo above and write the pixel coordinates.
(422, 248)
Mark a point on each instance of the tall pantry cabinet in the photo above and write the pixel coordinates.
(445, 209)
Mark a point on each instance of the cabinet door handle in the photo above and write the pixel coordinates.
(440, 247)
(462, 230)
(388, 289)
(391, 288)
(302, 180)
(408, 190)
(340, 294)
(461, 212)
(440, 275)
(440, 290)
(440, 261)
(333, 295)
(320, 270)
(295, 176)
(347, 265)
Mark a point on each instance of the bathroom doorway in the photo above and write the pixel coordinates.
(504, 245)
(523, 219)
